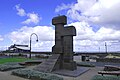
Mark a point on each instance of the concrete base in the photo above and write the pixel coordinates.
(75, 73)
(70, 66)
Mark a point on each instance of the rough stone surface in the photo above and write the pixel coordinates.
(64, 43)
(48, 65)
(62, 51)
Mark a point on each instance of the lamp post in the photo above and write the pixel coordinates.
(31, 41)
(99, 49)
(106, 47)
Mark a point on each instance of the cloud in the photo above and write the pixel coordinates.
(85, 32)
(1, 38)
(88, 40)
(2, 48)
(63, 7)
(86, 14)
(103, 12)
(107, 34)
(21, 12)
(97, 12)
(33, 18)
(45, 35)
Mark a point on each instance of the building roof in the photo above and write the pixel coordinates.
(22, 47)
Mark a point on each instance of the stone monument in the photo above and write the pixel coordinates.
(64, 42)
(62, 51)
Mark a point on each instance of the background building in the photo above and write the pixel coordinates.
(19, 48)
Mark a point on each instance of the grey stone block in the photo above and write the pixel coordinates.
(62, 57)
(59, 20)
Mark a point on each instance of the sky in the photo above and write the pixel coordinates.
(96, 22)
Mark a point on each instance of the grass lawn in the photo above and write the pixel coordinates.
(5, 60)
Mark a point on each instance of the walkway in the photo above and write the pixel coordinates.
(87, 75)
(7, 76)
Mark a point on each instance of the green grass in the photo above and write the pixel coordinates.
(6, 60)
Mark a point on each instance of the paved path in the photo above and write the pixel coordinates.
(87, 75)
(7, 76)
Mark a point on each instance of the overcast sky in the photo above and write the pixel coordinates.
(96, 22)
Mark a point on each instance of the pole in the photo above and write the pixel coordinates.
(31, 41)
(106, 47)
(30, 49)
(99, 49)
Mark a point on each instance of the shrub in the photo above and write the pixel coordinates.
(85, 64)
(11, 63)
(99, 77)
(32, 74)
(9, 66)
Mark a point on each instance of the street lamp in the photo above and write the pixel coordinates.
(106, 47)
(99, 49)
(31, 40)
